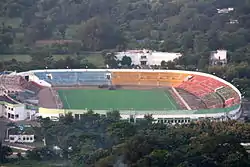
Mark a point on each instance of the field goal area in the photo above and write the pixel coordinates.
(120, 99)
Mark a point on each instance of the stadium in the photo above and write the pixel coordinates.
(170, 96)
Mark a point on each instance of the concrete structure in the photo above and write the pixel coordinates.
(203, 85)
(22, 134)
(218, 57)
(12, 110)
(148, 57)
(22, 138)
(207, 87)
(225, 10)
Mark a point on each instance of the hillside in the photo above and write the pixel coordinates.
(189, 26)
(70, 27)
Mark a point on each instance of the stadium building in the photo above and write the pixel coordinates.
(171, 96)
(148, 57)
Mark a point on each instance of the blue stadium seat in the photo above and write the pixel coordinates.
(75, 78)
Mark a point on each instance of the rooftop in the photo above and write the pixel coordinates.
(22, 130)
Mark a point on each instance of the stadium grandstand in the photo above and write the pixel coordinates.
(171, 96)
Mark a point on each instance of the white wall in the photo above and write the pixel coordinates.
(48, 115)
(21, 138)
(1, 110)
(152, 58)
(16, 112)
(219, 54)
(135, 57)
(158, 57)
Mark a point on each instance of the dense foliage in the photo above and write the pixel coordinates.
(192, 27)
(108, 141)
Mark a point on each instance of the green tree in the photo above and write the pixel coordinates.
(114, 115)
(126, 61)
(98, 33)
(110, 59)
(6, 38)
(5, 151)
(42, 58)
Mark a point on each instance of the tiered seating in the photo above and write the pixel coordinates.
(125, 78)
(212, 83)
(226, 92)
(229, 95)
(205, 88)
(11, 83)
(193, 101)
(34, 87)
(75, 78)
(147, 78)
(58, 78)
(92, 78)
(200, 85)
(213, 100)
(195, 89)
(171, 79)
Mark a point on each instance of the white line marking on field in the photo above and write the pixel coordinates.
(166, 95)
(66, 99)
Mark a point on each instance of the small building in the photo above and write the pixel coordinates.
(21, 134)
(148, 57)
(218, 57)
(11, 109)
(225, 10)
(233, 21)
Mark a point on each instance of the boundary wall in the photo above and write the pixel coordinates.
(174, 116)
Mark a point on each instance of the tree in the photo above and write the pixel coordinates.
(110, 59)
(98, 33)
(42, 58)
(170, 65)
(114, 115)
(149, 118)
(5, 151)
(62, 30)
(39, 29)
(163, 64)
(67, 118)
(126, 61)
(6, 37)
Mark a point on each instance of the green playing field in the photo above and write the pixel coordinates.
(100, 99)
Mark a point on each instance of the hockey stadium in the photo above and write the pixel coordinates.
(170, 96)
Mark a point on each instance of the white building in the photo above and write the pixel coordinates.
(22, 134)
(218, 57)
(14, 111)
(148, 57)
(225, 10)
